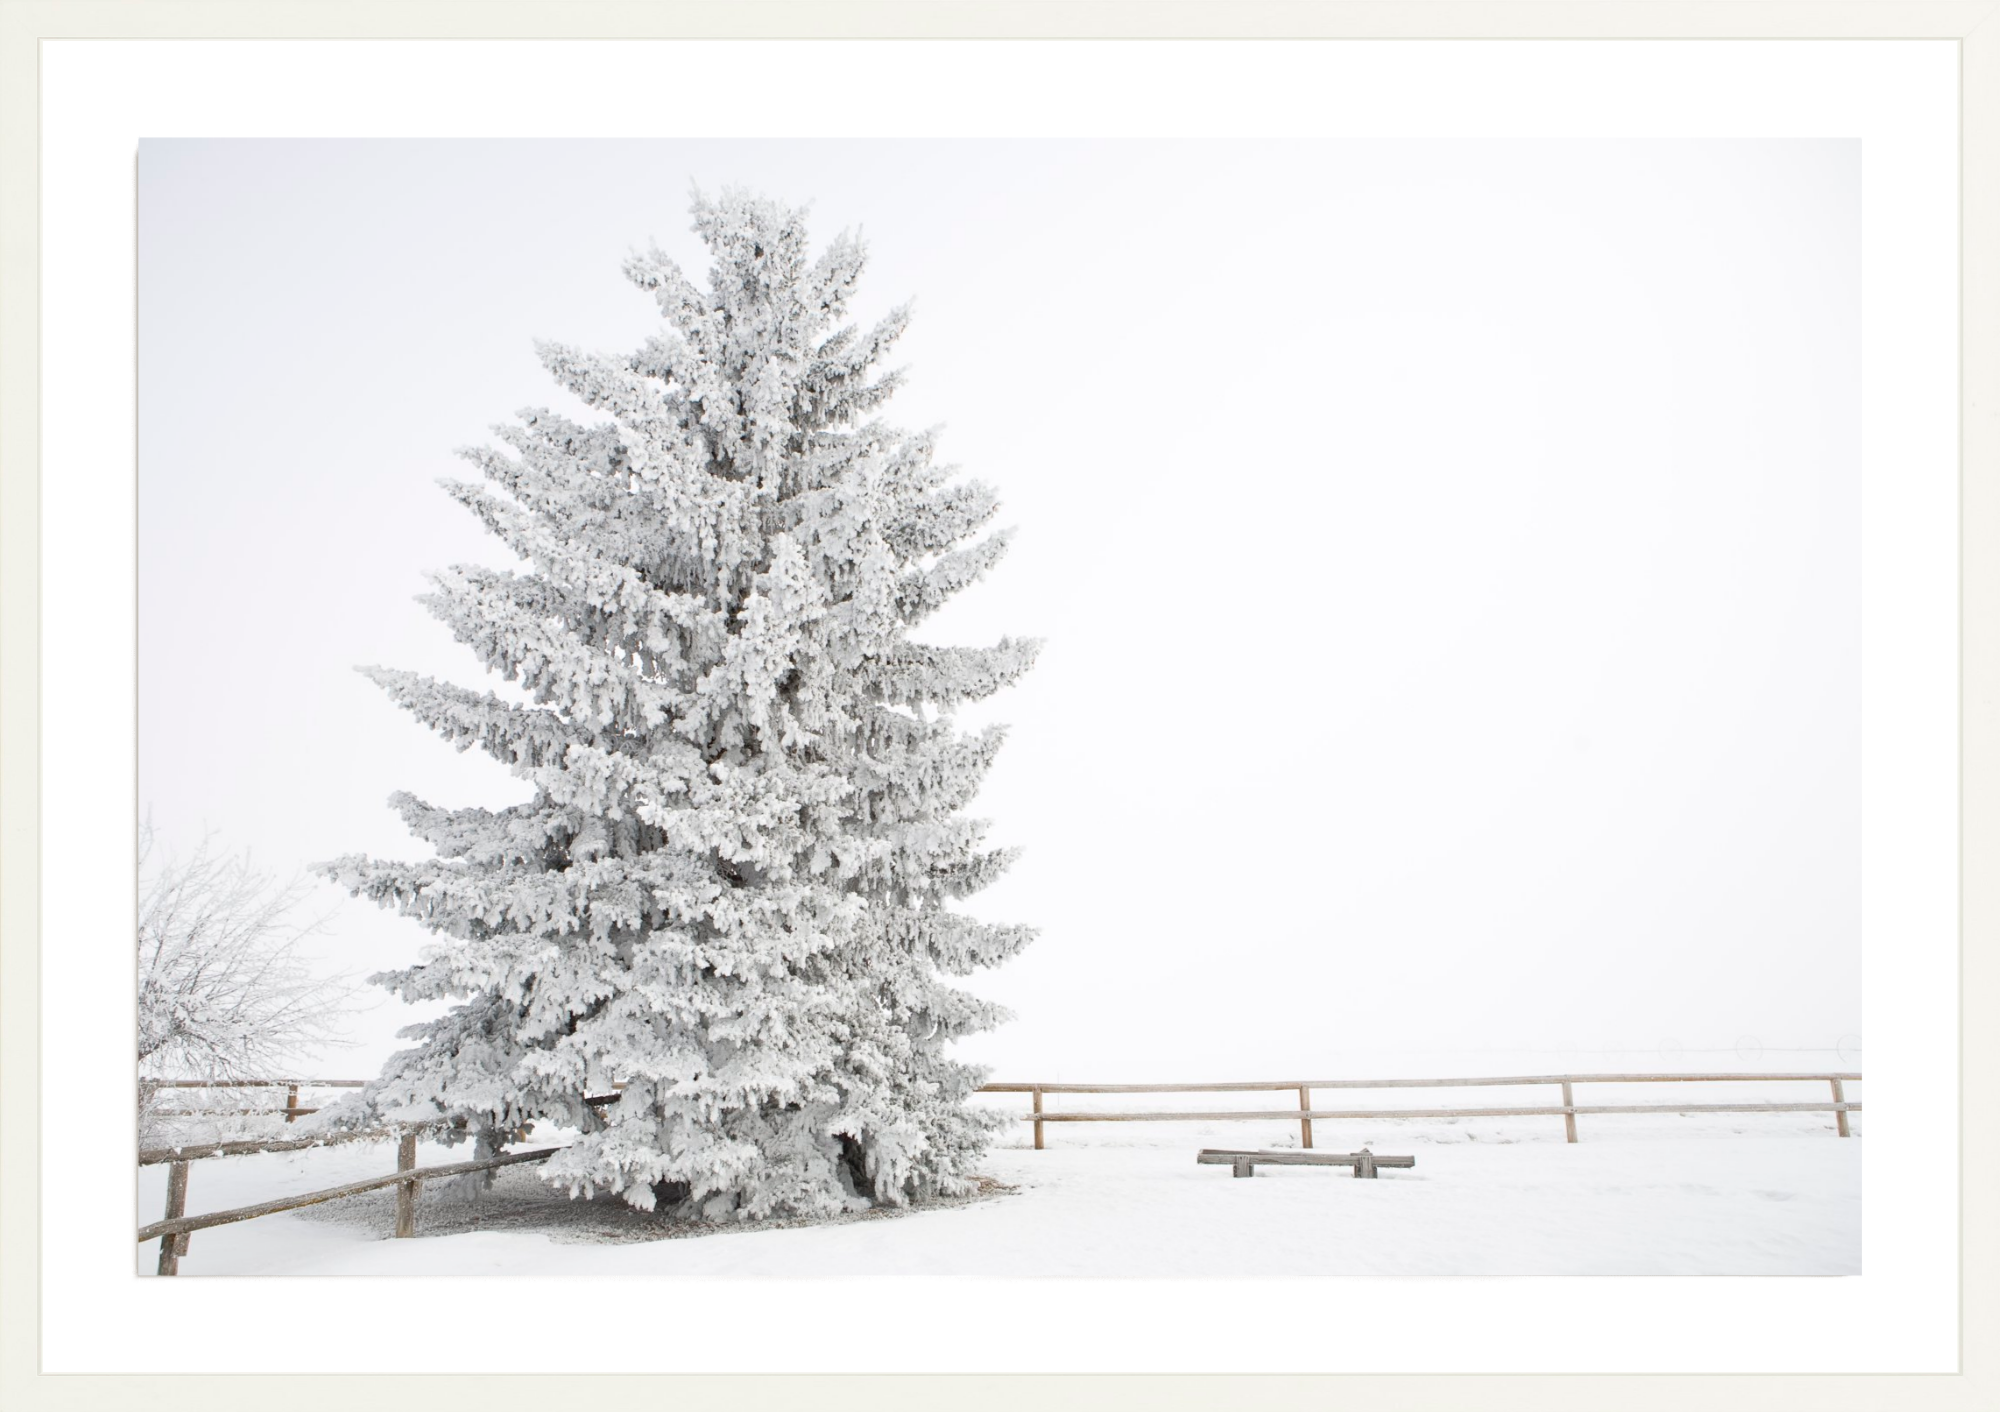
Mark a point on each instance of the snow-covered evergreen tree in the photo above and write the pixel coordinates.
(731, 890)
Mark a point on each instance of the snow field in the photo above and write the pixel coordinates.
(1708, 1194)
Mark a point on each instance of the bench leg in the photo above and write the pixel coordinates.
(1244, 1169)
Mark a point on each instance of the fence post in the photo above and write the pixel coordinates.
(406, 1192)
(291, 1103)
(1840, 1116)
(172, 1247)
(1569, 1112)
(1305, 1124)
(1038, 1120)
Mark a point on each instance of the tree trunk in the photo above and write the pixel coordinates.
(670, 1194)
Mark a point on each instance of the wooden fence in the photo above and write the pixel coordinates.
(173, 1232)
(408, 1178)
(291, 1110)
(1568, 1110)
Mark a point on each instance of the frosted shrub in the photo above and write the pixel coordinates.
(226, 990)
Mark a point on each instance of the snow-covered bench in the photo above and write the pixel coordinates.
(1363, 1162)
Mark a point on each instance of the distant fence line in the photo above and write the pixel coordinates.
(291, 1110)
(408, 1178)
(1305, 1115)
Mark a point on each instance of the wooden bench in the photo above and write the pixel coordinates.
(1245, 1164)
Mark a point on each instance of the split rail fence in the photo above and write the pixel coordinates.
(408, 1178)
(1568, 1110)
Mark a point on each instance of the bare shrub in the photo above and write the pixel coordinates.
(225, 988)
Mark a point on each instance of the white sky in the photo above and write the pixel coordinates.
(1449, 555)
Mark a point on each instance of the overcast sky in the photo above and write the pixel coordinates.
(1448, 555)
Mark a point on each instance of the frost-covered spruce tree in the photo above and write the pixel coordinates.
(731, 891)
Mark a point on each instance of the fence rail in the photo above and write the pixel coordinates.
(195, 1151)
(1305, 1115)
(254, 1083)
(291, 1110)
(175, 1226)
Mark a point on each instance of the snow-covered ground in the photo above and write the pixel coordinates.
(1710, 1194)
